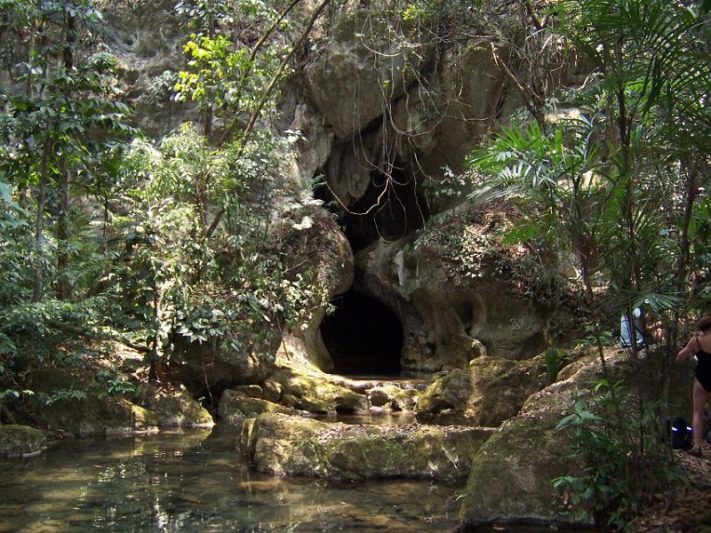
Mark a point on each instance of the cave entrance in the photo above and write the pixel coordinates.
(363, 336)
(391, 207)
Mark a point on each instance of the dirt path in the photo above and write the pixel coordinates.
(689, 508)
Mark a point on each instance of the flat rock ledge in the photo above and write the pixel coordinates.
(285, 445)
(21, 441)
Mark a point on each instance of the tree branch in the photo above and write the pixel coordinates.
(532, 101)
(263, 100)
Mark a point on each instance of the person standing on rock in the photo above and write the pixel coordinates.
(700, 345)
(644, 328)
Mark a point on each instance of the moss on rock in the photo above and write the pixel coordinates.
(312, 391)
(512, 473)
(288, 445)
(236, 406)
(172, 406)
(17, 440)
(96, 413)
(492, 390)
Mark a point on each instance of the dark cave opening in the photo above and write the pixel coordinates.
(391, 207)
(363, 336)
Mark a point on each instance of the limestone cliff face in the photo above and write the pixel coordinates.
(396, 111)
(394, 95)
(379, 105)
(148, 41)
(458, 292)
(318, 247)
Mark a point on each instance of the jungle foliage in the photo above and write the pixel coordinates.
(106, 236)
(616, 181)
(110, 237)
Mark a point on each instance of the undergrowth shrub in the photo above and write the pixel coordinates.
(624, 463)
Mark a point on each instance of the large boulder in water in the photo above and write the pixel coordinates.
(71, 401)
(293, 446)
(21, 441)
(307, 389)
(171, 406)
(236, 406)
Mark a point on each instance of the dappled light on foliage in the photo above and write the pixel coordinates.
(470, 184)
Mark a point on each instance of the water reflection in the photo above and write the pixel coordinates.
(195, 482)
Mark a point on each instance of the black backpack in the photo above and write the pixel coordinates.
(680, 432)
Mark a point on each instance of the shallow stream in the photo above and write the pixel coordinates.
(195, 481)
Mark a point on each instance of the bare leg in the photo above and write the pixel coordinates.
(701, 396)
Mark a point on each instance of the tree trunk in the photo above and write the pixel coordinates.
(39, 219)
(63, 289)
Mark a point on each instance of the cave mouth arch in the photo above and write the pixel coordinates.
(363, 336)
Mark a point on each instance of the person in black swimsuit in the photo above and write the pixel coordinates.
(699, 344)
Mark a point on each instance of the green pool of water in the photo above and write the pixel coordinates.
(194, 481)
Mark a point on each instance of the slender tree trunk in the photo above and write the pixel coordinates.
(62, 288)
(207, 121)
(682, 270)
(682, 266)
(38, 289)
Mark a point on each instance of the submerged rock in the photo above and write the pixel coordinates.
(295, 446)
(21, 441)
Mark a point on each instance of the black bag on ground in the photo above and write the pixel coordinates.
(679, 432)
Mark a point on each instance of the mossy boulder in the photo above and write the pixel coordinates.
(512, 473)
(490, 392)
(236, 406)
(511, 476)
(97, 415)
(70, 401)
(449, 392)
(294, 446)
(21, 441)
(392, 396)
(311, 390)
(172, 406)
